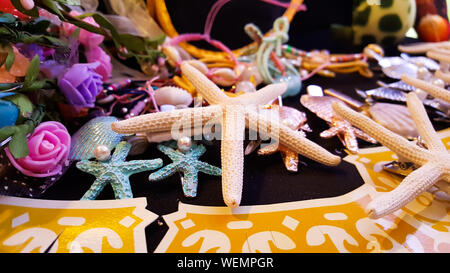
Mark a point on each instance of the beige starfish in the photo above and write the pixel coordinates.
(234, 114)
(431, 89)
(443, 56)
(419, 48)
(434, 163)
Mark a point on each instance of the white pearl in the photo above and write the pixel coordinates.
(422, 73)
(421, 94)
(184, 144)
(439, 82)
(102, 152)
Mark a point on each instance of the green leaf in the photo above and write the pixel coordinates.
(36, 85)
(10, 58)
(53, 6)
(34, 12)
(70, 2)
(105, 23)
(32, 72)
(38, 27)
(18, 146)
(23, 103)
(155, 42)
(132, 43)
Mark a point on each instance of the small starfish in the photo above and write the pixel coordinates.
(433, 90)
(188, 164)
(115, 171)
(235, 114)
(434, 163)
(339, 127)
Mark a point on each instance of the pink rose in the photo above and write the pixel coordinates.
(97, 54)
(86, 38)
(49, 149)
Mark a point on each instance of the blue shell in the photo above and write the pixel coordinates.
(95, 132)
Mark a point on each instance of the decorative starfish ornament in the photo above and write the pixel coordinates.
(234, 114)
(433, 164)
(115, 171)
(295, 120)
(433, 90)
(185, 161)
(339, 127)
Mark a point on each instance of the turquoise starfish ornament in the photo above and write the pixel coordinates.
(115, 171)
(185, 161)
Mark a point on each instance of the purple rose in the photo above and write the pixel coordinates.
(80, 84)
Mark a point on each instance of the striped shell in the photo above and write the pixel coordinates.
(172, 95)
(95, 132)
(224, 76)
(394, 117)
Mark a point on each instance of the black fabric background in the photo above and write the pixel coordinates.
(266, 180)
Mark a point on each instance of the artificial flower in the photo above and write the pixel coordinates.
(97, 54)
(49, 147)
(80, 84)
(88, 39)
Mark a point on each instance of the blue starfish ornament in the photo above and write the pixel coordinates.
(185, 161)
(115, 171)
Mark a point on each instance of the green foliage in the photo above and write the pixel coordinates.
(18, 145)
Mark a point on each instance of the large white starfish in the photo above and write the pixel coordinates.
(434, 163)
(433, 90)
(234, 114)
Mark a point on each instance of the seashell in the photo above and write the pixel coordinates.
(139, 144)
(172, 54)
(296, 118)
(167, 107)
(158, 137)
(172, 95)
(245, 86)
(249, 73)
(200, 66)
(394, 117)
(95, 132)
(224, 76)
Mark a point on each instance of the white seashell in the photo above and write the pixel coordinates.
(248, 72)
(200, 66)
(167, 107)
(224, 76)
(172, 95)
(158, 137)
(139, 144)
(245, 86)
(172, 54)
(394, 117)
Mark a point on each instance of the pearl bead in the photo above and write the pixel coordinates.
(421, 94)
(439, 82)
(422, 73)
(184, 144)
(102, 152)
